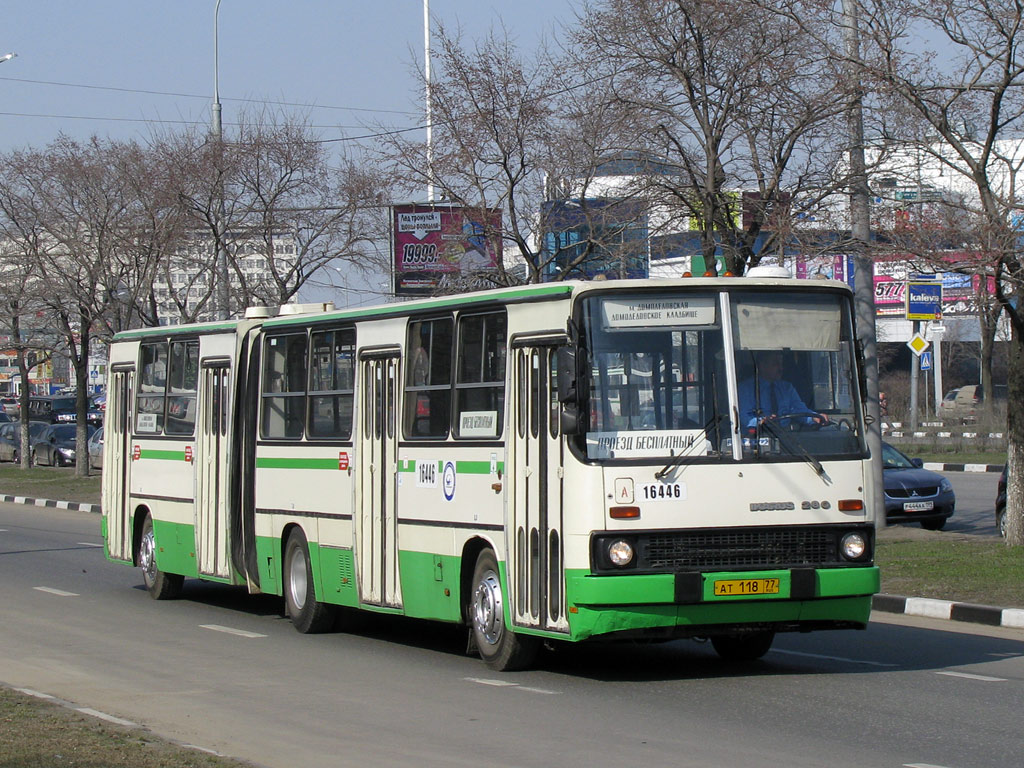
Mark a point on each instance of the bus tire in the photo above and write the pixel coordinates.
(307, 614)
(747, 646)
(500, 648)
(160, 585)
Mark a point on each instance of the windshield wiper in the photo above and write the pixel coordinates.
(676, 460)
(794, 450)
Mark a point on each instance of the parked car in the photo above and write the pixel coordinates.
(10, 438)
(55, 445)
(1001, 504)
(914, 494)
(964, 403)
(9, 405)
(96, 449)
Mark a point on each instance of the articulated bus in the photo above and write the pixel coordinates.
(556, 462)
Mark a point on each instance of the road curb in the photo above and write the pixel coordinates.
(951, 611)
(74, 506)
(936, 466)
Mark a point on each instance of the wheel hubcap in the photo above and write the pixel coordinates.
(147, 557)
(297, 580)
(487, 610)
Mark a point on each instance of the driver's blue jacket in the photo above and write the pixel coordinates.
(778, 398)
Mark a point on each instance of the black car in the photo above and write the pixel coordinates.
(914, 494)
(1001, 504)
(61, 410)
(55, 446)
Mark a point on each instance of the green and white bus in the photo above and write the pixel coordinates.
(555, 462)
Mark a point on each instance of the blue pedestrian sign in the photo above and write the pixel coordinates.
(926, 360)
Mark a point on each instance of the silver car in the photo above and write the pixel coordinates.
(96, 449)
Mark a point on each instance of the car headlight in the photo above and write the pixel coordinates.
(945, 486)
(68, 452)
(853, 546)
(620, 552)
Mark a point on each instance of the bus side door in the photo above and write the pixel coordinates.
(117, 457)
(213, 552)
(376, 520)
(535, 549)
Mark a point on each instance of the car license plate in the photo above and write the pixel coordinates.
(730, 587)
(918, 506)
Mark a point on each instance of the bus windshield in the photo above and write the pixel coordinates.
(682, 375)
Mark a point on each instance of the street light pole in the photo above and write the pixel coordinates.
(221, 295)
(430, 125)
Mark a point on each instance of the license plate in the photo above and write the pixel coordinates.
(729, 587)
(918, 506)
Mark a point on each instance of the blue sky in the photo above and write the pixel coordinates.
(107, 67)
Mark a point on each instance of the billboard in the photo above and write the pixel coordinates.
(437, 242)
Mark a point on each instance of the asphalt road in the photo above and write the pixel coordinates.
(224, 671)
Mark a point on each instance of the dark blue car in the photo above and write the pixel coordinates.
(914, 494)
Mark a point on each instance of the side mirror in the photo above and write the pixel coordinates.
(919, 463)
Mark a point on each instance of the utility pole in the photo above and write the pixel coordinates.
(221, 295)
(430, 123)
(860, 231)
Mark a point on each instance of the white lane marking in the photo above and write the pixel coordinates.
(496, 683)
(88, 544)
(507, 684)
(968, 676)
(58, 592)
(105, 716)
(231, 630)
(922, 765)
(834, 658)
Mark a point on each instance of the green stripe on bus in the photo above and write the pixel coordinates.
(272, 462)
(150, 453)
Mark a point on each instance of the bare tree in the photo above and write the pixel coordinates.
(80, 204)
(519, 135)
(25, 246)
(968, 91)
(739, 99)
(272, 198)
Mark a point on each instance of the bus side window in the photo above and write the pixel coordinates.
(331, 377)
(149, 418)
(480, 385)
(284, 386)
(428, 372)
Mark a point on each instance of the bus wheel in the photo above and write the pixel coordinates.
(499, 647)
(307, 615)
(748, 646)
(160, 585)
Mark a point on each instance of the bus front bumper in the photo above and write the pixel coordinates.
(695, 604)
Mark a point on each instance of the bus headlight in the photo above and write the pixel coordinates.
(853, 546)
(620, 552)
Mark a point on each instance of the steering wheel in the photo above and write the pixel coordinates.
(798, 421)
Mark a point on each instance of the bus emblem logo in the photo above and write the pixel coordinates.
(449, 481)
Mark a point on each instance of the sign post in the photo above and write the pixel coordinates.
(924, 302)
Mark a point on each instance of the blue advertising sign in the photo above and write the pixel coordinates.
(924, 300)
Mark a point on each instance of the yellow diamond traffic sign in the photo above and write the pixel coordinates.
(918, 344)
